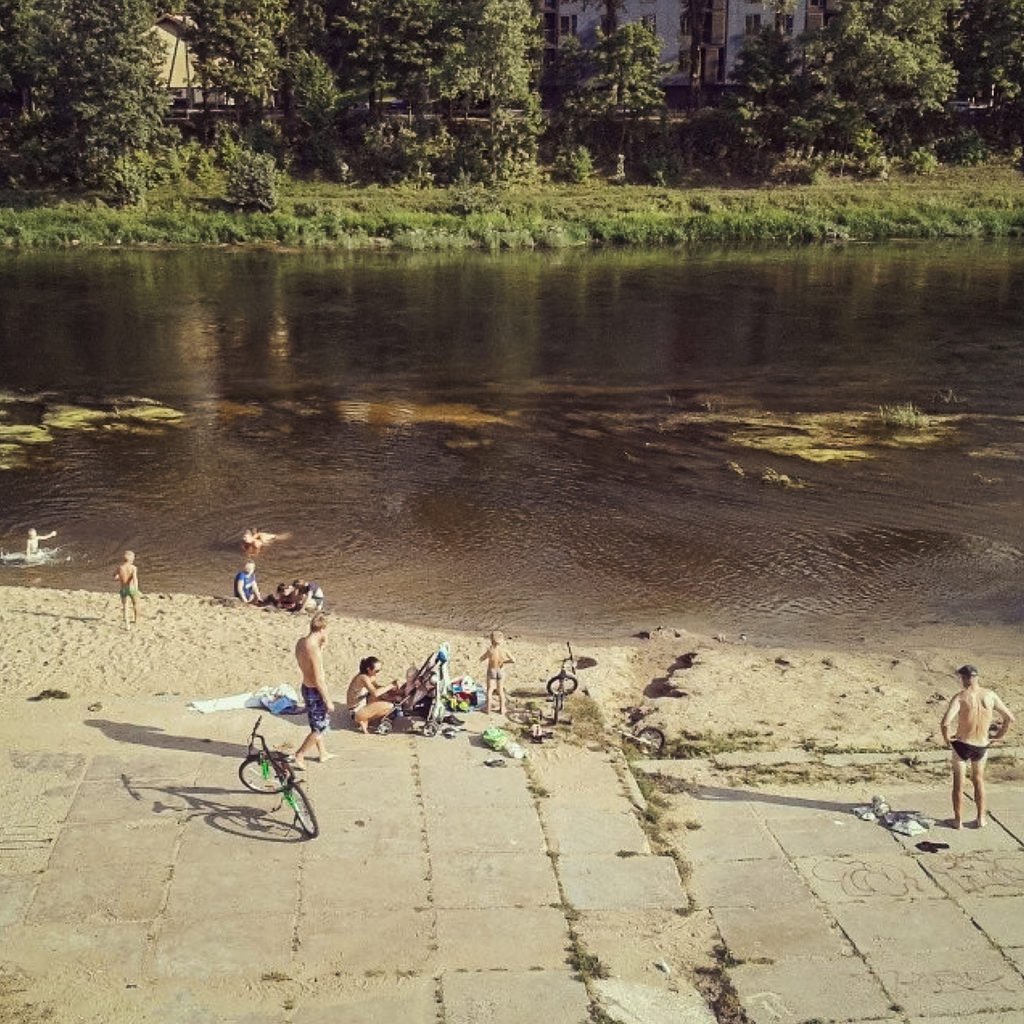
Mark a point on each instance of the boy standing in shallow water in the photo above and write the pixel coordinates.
(497, 657)
(127, 575)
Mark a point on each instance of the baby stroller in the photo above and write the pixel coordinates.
(425, 695)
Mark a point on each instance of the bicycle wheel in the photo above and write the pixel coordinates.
(563, 683)
(650, 740)
(297, 800)
(258, 774)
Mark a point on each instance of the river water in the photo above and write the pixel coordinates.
(549, 443)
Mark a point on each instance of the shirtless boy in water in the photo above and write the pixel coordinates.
(497, 657)
(127, 575)
(253, 540)
(32, 544)
(972, 710)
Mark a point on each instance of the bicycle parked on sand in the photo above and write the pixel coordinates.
(563, 684)
(270, 771)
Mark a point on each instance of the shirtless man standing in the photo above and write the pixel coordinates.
(309, 655)
(972, 710)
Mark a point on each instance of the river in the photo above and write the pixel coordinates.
(565, 444)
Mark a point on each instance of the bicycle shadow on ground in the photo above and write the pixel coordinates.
(266, 823)
(150, 736)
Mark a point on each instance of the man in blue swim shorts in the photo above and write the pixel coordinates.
(972, 710)
(309, 655)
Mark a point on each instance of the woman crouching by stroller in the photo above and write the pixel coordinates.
(367, 700)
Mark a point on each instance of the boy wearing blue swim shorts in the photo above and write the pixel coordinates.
(309, 655)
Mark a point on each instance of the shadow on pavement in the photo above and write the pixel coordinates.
(247, 822)
(720, 794)
(149, 736)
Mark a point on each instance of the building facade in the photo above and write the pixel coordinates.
(725, 27)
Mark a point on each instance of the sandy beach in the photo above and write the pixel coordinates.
(128, 691)
(697, 687)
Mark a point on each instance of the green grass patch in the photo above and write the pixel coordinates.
(905, 416)
(983, 202)
(705, 745)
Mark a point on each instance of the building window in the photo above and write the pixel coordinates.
(784, 24)
(753, 24)
(568, 25)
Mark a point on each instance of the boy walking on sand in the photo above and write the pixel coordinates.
(309, 655)
(972, 711)
(127, 575)
(497, 657)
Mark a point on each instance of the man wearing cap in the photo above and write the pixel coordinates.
(972, 711)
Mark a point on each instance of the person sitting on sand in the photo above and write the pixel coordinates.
(247, 590)
(310, 596)
(287, 597)
(127, 575)
(32, 544)
(253, 540)
(972, 709)
(365, 697)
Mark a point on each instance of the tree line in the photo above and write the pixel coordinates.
(86, 107)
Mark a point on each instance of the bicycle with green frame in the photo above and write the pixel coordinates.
(270, 771)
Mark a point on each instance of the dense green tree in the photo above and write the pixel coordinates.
(494, 66)
(100, 101)
(626, 86)
(304, 33)
(237, 47)
(397, 47)
(986, 45)
(770, 99)
(881, 66)
(315, 108)
(23, 29)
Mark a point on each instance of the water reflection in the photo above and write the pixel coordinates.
(512, 440)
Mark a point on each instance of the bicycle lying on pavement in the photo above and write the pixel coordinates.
(270, 771)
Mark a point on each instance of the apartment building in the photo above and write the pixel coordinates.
(726, 24)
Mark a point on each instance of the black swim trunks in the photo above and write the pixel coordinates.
(968, 751)
(316, 710)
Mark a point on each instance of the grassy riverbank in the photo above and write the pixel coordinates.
(983, 202)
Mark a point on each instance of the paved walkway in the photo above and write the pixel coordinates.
(145, 879)
(830, 918)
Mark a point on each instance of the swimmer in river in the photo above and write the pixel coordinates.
(253, 540)
(32, 544)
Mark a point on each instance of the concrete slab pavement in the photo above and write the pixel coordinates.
(830, 918)
(438, 890)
